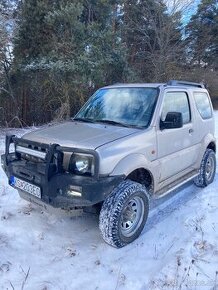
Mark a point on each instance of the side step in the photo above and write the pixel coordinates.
(176, 184)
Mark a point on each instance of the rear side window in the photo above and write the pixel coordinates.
(203, 104)
(176, 102)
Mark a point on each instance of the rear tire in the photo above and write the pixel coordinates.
(124, 214)
(207, 169)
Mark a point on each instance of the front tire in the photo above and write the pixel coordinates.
(124, 214)
(207, 169)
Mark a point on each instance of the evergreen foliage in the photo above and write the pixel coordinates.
(64, 50)
(202, 33)
(153, 39)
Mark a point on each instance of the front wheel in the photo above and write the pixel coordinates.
(124, 213)
(207, 169)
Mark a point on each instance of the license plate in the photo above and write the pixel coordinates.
(26, 186)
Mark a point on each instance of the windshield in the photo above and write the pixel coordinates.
(120, 106)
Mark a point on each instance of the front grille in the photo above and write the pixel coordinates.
(30, 158)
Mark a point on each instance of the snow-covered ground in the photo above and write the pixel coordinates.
(43, 250)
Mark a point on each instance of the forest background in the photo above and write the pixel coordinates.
(55, 53)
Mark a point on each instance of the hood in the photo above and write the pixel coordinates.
(79, 135)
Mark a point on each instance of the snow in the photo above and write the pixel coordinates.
(52, 250)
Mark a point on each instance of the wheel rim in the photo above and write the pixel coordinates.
(132, 216)
(210, 165)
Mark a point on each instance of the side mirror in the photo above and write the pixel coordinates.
(173, 120)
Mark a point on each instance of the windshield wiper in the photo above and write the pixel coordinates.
(86, 120)
(112, 123)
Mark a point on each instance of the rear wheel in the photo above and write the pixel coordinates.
(207, 169)
(124, 213)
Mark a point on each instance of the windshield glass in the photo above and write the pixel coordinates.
(121, 106)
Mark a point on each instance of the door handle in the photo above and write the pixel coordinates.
(191, 131)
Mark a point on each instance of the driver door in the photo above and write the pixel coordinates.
(176, 149)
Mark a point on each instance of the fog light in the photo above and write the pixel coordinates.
(74, 193)
(74, 190)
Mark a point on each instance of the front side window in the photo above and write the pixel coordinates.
(203, 104)
(176, 102)
(121, 106)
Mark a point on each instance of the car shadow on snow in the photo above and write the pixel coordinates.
(162, 208)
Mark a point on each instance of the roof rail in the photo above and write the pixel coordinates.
(185, 83)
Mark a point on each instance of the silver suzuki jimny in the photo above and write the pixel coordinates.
(129, 143)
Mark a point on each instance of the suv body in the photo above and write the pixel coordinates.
(87, 162)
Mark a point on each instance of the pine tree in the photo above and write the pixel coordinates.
(65, 50)
(202, 35)
(152, 37)
(33, 34)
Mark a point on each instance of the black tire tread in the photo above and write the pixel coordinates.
(201, 180)
(111, 208)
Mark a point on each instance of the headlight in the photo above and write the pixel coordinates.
(82, 164)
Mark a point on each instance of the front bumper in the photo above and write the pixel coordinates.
(59, 188)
